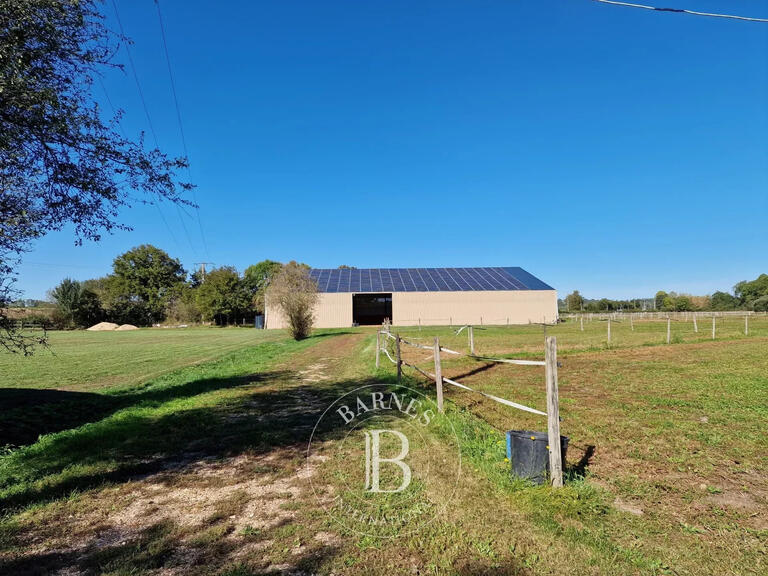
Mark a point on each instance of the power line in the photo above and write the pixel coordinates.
(178, 118)
(682, 11)
(146, 113)
(170, 75)
(135, 75)
(125, 136)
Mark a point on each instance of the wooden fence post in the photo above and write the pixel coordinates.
(713, 327)
(378, 346)
(399, 358)
(438, 375)
(553, 413)
(695, 326)
(669, 329)
(471, 341)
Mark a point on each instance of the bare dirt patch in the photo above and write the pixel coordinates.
(200, 508)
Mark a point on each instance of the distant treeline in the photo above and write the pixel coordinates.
(747, 295)
(147, 286)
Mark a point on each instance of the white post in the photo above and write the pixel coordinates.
(378, 346)
(438, 376)
(581, 322)
(631, 323)
(746, 325)
(713, 327)
(695, 326)
(553, 413)
(609, 330)
(669, 329)
(471, 341)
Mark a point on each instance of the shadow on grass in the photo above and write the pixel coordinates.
(146, 439)
(29, 413)
(580, 468)
(161, 545)
(255, 413)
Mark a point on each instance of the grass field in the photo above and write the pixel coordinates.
(503, 339)
(83, 375)
(199, 467)
(99, 361)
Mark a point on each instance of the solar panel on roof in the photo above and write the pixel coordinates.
(425, 279)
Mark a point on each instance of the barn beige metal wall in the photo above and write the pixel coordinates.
(486, 307)
(334, 310)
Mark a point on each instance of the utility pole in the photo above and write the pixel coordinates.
(202, 268)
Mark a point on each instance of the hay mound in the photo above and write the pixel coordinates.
(103, 327)
(126, 327)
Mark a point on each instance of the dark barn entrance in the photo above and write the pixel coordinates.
(371, 309)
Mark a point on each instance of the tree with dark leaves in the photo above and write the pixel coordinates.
(61, 162)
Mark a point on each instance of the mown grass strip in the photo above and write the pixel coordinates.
(156, 422)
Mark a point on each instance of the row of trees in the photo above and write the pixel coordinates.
(147, 286)
(747, 295)
(575, 302)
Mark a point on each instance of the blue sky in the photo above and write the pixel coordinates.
(611, 150)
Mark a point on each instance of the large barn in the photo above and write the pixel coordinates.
(427, 296)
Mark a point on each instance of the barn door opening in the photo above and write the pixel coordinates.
(371, 309)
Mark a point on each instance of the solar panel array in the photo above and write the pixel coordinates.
(424, 279)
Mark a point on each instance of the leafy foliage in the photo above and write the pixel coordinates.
(723, 301)
(222, 295)
(749, 292)
(67, 297)
(574, 301)
(294, 293)
(760, 304)
(257, 278)
(61, 163)
(145, 280)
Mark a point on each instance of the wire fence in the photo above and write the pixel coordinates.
(396, 357)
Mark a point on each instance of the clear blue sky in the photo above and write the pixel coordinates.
(611, 150)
